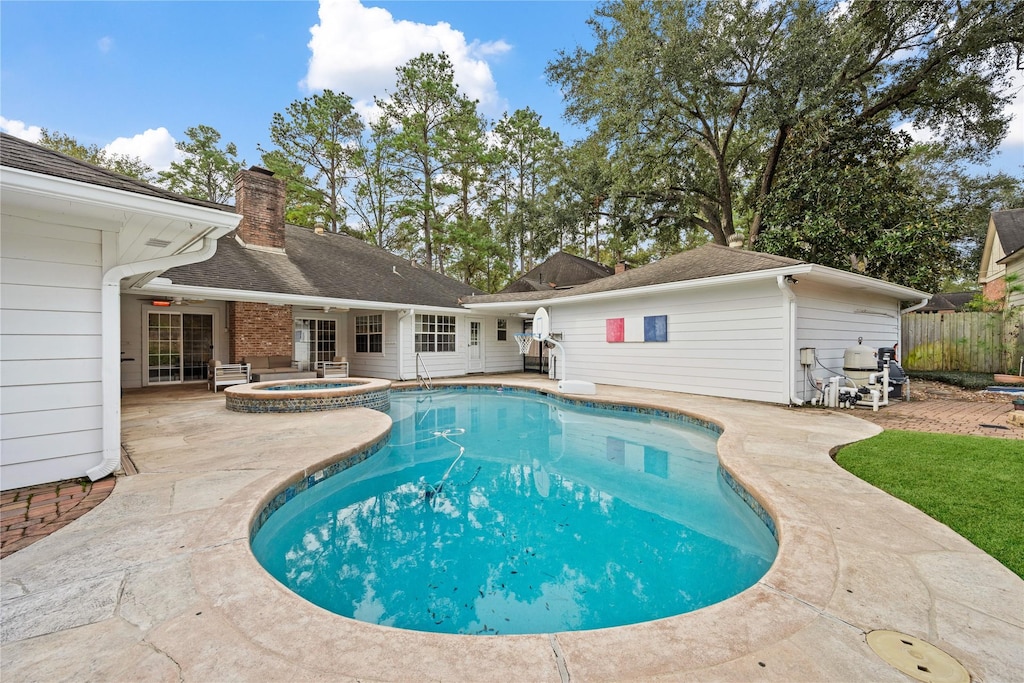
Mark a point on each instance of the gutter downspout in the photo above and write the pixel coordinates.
(402, 315)
(899, 323)
(110, 320)
(789, 331)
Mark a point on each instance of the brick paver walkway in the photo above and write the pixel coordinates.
(949, 417)
(31, 513)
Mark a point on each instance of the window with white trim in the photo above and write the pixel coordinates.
(502, 329)
(435, 333)
(370, 333)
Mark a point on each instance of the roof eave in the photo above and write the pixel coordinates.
(818, 272)
(31, 183)
(163, 288)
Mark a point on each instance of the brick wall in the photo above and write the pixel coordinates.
(257, 329)
(260, 198)
(995, 290)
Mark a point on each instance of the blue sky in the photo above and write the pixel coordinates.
(132, 76)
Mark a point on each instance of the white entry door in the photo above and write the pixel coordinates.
(476, 345)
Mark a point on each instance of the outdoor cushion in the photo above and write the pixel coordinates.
(257, 361)
(279, 362)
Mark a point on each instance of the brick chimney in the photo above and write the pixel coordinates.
(260, 198)
(620, 267)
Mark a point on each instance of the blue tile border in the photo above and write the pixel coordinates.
(304, 483)
(753, 503)
(377, 399)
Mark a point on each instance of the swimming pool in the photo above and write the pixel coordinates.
(496, 512)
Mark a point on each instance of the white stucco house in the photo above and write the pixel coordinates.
(107, 283)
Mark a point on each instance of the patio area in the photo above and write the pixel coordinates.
(158, 583)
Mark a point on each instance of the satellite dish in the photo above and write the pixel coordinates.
(541, 325)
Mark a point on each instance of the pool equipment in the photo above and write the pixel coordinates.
(869, 377)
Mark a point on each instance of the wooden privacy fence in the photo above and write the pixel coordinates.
(968, 342)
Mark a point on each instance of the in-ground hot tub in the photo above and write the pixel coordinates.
(307, 395)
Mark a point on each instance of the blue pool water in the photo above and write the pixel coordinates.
(504, 512)
(307, 386)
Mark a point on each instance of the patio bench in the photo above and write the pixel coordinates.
(226, 374)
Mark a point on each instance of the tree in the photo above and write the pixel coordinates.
(424, 114)
(857, 207)
(529, 153)
(941, 176)
(127, 165)
(374, 200)
(698, 102)
(207, 171)
(316, 139)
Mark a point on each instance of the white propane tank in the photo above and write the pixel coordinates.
(859, 363)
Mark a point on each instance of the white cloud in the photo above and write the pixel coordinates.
(155, 147)
(105, 44)
(20, 130)
(356, 49)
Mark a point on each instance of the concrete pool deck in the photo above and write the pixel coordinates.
(157, 582)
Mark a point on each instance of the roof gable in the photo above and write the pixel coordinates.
(1009, 226)
(559, 270)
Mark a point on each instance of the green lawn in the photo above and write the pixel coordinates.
(972, 484)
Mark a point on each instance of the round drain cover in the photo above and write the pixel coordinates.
(916, 658)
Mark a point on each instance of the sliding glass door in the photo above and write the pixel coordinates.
(180, 347)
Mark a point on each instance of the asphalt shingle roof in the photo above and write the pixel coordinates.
(333, 266)
(559, 270)
(710, 260)
(1010, 228)
(26, 156)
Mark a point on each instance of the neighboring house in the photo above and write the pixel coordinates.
(1003, 255)
(559, 271)
(72, 236)
(949, 302)
(715, 321)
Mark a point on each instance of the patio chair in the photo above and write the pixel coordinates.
(226, 374)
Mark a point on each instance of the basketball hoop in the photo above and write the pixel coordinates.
(525, 340)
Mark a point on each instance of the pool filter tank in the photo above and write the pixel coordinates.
(861, 362)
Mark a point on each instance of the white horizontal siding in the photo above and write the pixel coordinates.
(502, 356)
(727, 341)
(22, 272)
(50, 298)
(18, 475)
(50, 347)
(29, 398)
(385, 365)
(831, 319)
(50, 351)
(63, 421)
